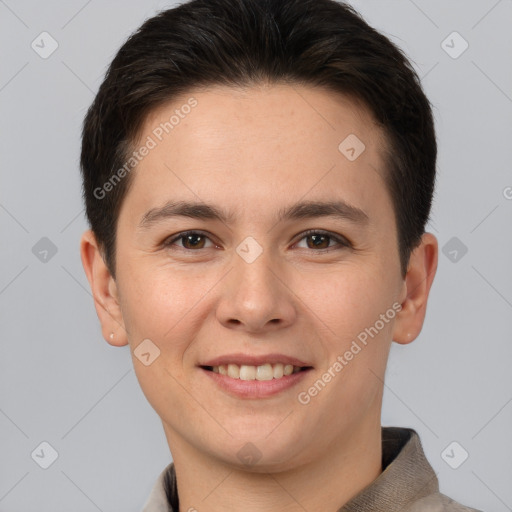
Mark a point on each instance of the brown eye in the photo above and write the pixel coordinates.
(318, 241)
(321, 240)
(190, 240)
(193, 241)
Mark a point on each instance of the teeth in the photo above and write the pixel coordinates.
(264, 372)
(233, 371)
(278, 371)
(247, 372)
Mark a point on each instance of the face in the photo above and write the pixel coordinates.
(250, 237)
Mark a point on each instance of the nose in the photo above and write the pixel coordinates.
(255, 296)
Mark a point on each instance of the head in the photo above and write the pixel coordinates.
(295, 146)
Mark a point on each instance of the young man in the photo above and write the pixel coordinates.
(258, 176)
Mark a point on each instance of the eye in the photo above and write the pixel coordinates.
(315, 239)
(190, 240)
(321, 240)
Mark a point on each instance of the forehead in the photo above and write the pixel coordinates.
(258, 146)
(271, 114)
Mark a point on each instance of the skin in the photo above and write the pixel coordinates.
(252, 152)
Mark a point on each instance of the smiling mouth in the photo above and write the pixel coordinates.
(262, 372)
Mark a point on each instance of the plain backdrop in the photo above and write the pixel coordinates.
(62, 384)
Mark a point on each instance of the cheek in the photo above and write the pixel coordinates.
(347, 300)
(163, 304)
(347, 312)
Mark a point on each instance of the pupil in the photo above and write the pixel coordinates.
(191, 238)
(318, 239)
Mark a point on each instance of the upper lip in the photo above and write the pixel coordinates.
(249, 360)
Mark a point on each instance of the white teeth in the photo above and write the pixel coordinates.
(233, 371)
(247, 372)
(278, 370)
(265, 371)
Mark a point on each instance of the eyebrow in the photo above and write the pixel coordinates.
(300, 210)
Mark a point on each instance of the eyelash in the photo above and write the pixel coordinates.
(342, 242)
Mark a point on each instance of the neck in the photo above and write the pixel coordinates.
(326, 482)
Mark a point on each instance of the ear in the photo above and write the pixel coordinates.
(418, 280)
(104, 291)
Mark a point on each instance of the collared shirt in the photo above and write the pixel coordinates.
(407, 484)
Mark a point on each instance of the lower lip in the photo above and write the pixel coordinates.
(255, 388)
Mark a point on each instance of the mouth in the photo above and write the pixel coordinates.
(255, 377)
(263, 372)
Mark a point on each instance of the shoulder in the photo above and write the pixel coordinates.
(438, 503)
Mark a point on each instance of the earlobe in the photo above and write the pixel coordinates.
(417, 283)
(104, 291)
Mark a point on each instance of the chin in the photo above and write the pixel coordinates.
(260, 452)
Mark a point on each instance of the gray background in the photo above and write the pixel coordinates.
(60, 382)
